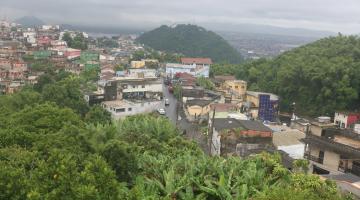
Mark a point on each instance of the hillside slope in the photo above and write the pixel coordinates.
(320, 77)
(190, 40)
(29, 21)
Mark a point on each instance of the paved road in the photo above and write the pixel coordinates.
(192, 130)
(170, 109)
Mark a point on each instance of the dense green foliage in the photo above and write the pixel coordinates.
(39, 65)
(205, 83)
(78, 42)
(321, 77)
(152, 54)
(105, 42)
(190, 40)
(49, 149)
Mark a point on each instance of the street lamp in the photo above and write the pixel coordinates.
(293, 109)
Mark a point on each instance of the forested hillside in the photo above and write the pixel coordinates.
(191, 40)
(54, 146)
(321, 77)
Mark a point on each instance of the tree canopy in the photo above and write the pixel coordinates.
(191, 40)
(53, 149)
(78, 42)
(321, 77)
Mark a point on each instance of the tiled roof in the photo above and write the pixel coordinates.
(196, 61)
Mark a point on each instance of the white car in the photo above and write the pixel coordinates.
(161, 111)
(167, 102)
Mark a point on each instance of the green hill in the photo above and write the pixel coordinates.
(29, 21)
(320, 77)
(191, 40)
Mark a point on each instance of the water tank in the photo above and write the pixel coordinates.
(324, 119)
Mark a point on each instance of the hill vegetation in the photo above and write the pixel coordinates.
(190, 40)
(30, 21)
(54, 146)
(320, 77)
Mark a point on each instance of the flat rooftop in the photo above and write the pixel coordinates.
(287, 137)
(272, 96)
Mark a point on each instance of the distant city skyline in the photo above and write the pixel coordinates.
(330, 15)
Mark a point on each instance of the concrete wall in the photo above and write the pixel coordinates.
(198, 110)
(171, 71)
(136, 108)
(238, 87)
(137, 64)
(316, 130)
(253, 99)
(216, 145)
(154, 87)
(341, 120)
(331, 160)
(314, 151)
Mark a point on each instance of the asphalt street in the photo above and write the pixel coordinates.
(191, 130)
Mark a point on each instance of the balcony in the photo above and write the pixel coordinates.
(308, 156)
(329, 144)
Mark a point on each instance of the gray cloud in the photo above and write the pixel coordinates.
(333, 15)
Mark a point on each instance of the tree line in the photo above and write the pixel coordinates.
(54, 146)
(190, 40)
(321, 77)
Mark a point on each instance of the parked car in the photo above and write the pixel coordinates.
(167, 102)
(171, 89)
(167, 81)
(161, 111)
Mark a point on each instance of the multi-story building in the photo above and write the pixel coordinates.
(235, 90)
(140, 88)
(332, 150)
(262, 106)
(123, 108)
(230, 135)
(124, 96)
(195, 66)
(346, 119)
(137, 64)
(71, 53)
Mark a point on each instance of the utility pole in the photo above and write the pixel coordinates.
(211, 130)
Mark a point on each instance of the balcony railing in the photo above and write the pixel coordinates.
(337, 147)
(308, 156)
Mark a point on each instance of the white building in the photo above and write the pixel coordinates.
(122, 108)
(142, 73)
(149, 89)
(346, 119)
(173, 68)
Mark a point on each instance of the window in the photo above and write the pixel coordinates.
(129, 109)
(143, 86)
(134, 86)
(236, 87)
(120, 110)
(242, 87)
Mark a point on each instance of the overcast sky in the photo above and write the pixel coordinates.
(333, 15)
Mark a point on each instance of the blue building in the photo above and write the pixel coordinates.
(266, 105)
